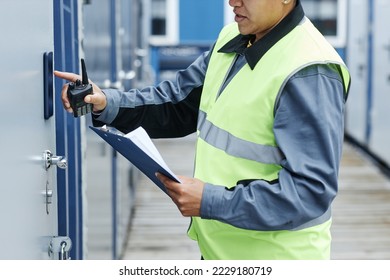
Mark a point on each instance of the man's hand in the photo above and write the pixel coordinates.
(97, 99)
(187, 195)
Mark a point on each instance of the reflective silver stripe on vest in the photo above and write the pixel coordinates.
(234, 146)
(318, 221)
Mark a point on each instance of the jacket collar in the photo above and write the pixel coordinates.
(256, 52)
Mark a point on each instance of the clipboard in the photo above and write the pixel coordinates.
(144, 156)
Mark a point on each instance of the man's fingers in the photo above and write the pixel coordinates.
(64, 98)
(171, 187)
(71, 77)
(92, 98)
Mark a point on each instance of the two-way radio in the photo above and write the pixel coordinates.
(77, 91)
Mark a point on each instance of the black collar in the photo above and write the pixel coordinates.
(256, 52)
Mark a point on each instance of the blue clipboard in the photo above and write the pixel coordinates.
(135, 155)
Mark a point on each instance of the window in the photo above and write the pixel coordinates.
(164, 22)
(159, 17)
(229, 15)
(329, 16)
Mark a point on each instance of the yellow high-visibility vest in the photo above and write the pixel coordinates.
(245, 110)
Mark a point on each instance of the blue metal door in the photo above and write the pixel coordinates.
(68, 132)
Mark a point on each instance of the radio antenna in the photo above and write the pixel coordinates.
(84, 73)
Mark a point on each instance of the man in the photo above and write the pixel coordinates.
(267, 103)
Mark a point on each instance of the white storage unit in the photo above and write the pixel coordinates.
(357, 62)
(41, 149)
(27, 222)
(380, 113)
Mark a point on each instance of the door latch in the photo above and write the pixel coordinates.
(60, 245)
(49, 159)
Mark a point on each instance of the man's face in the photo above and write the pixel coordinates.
(258, 17)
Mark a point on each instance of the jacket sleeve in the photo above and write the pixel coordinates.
(169, 109)
(309, 129)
